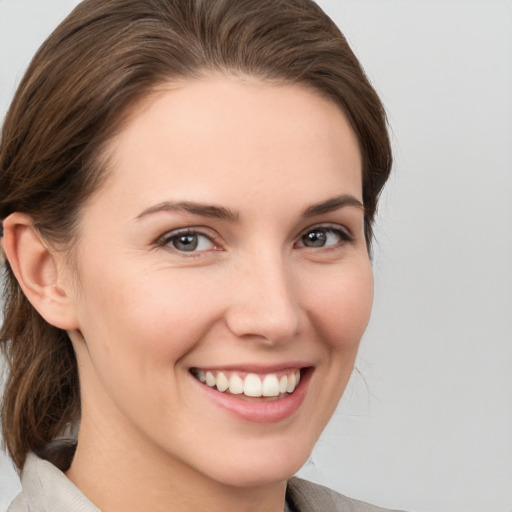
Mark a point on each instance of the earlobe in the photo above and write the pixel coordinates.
(37, 270)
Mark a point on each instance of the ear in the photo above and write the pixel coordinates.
(39, 271)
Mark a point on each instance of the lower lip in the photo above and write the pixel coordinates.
(264, 411)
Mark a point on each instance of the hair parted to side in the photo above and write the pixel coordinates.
(103, 58)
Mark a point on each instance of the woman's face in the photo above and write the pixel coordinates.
(226, 246)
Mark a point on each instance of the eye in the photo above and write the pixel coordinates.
(188, 241)
(324, 237)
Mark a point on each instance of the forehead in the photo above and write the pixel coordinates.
(240, 134)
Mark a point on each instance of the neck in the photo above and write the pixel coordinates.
(139, 475)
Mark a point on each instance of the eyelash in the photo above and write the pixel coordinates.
(345, 237)
(166, 240)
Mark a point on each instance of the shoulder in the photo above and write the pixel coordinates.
(306, 496)
(19, 504)
(45, 488)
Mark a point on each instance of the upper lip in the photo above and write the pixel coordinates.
(256, 368)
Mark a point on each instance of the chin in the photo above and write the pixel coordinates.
(268, 466)
(257, 476)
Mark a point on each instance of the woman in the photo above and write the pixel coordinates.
(188, 191)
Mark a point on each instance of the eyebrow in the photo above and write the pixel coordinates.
(332, 204)
(204, 210)
(219, 212)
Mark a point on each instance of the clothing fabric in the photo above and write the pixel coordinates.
(45, 488)
(305, 496)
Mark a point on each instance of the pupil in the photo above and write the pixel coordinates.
(315, 239)
(186, 243)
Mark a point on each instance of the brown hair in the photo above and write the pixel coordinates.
(105, 56)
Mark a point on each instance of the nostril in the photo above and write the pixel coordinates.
(264, 303)
(272, 326)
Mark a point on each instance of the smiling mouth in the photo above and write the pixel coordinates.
(247, 386)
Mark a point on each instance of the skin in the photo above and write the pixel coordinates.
(141, 313)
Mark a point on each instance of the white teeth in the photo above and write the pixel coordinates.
(270, 386)
(283, 384)
(251, 385)
(236, 385)
(210, 379)
(222, 382)
(292, 382)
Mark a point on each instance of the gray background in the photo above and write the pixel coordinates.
(427, 423)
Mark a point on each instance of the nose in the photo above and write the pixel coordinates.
(264, 303)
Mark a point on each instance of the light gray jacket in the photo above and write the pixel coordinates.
(45, 488)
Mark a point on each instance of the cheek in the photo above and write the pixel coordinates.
(137, 327)
(342, 306)
(156, 316)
